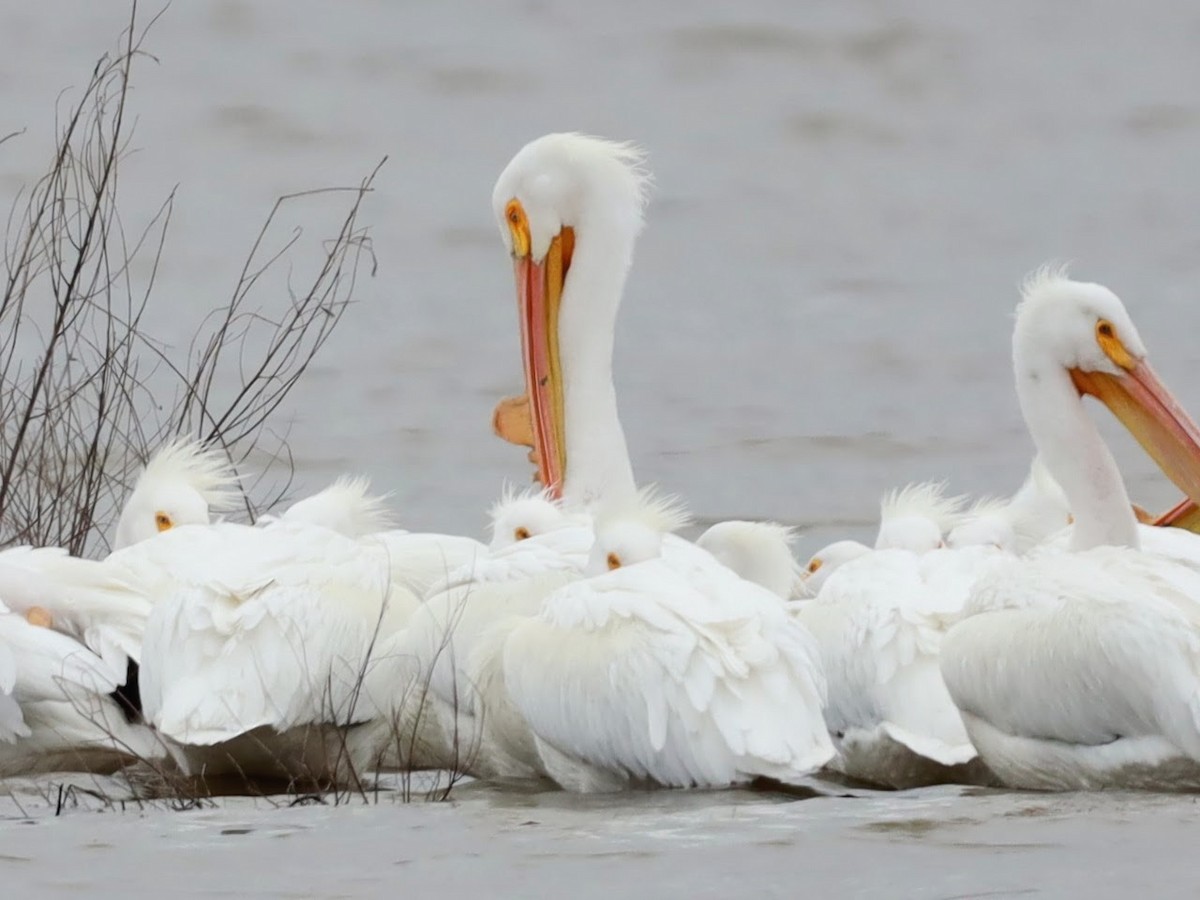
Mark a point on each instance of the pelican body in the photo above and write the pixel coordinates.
(1080, 667)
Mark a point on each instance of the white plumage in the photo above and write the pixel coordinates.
(1081, 668)
(879, 621)
(760, 552)
(55, 708)
(1035, 512)
(916, 517)
(665, 676)
(258, 635)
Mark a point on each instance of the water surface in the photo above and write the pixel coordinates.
(847, 196)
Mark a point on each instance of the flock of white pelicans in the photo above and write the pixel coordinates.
(1048, 641)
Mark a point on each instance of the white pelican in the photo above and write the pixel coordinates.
(537, 547)
(878, 616)
(879, 620)
(58, 700)
(182, 484)
(520, 515)
(826, 561)
(347, 506)
(258, 644)
(914, 518)
(258, 655)
(570, 209)
(56, 712)
(674, 674)
(73, 628)
(436, 710)
(1082, 669)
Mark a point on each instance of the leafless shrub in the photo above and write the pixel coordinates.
(86, 393)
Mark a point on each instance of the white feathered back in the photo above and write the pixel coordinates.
(347, 507)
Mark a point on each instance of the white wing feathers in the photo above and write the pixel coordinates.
(880, 622)
(86, 599)
(669, 683)
(279, 634)
(420, 559)
(1097, 645)
(37, 664)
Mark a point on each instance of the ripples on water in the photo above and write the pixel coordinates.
(847, 196)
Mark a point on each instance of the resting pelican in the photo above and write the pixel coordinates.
(347, 506)
(259, 641)
(435, 718)
(914, 518)
(826, 561)
(1081, 669)
(878, 616)
(72, 628)
(661, 672)
(183, 483)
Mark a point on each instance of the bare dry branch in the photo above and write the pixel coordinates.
(86, 393)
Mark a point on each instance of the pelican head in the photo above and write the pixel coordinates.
(828, 560)
(916, 516)
(346, 506)
(1084, 329)
(569, 208)
(631, 530)
(182, 484)
(985, 524)
(519, 516)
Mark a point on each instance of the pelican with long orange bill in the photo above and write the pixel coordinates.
(568, 294)
(1079, 670)
(569, 208)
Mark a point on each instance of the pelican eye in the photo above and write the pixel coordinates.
(518, 227)
(162, 521)
(614, 561)
(813, 565)
(521, 533)
(1112, 345)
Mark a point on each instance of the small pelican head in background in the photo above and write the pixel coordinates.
(183, 484)
(518, 516)
(631, 531)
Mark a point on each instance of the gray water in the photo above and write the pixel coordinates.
(847, 195)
